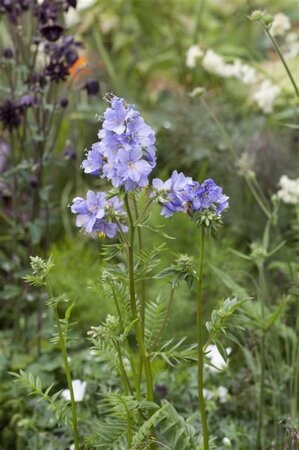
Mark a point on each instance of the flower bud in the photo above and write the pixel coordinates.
(51, 32)
(8, 53)
(27, 100)
(64, 102)
(256, 15)
(69, 154)
(33, 182)
(92, 87)
(267, 20)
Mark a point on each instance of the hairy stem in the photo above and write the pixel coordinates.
(200, 384)
(142, 282)
(260, 421)
(123, 373)
(68, 377)
(127, 344)
(139, 337)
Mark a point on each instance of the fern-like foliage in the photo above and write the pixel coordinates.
(176, 433)
(226, 318)
(110, 434)
(33, 385)
(141, 438)
(148, 260)
(110, 251)
(122, 423)
(103, 338)
(154, 318)
(40, 270)
(175, 352)
(181, 270)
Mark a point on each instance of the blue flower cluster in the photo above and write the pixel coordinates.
(125, 153)
(181, 193)
(96, 213)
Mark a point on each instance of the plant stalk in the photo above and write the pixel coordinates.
(69, 379)
(200, 384)
(277, 48)
(139, 337)
(260, 421)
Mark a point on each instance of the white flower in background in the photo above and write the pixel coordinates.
(197, 91)
(222, 394)
(192, 55)
(266, 95)
(207, 394)
(243, 72)
(72, 447)
(215, 358)
(79, 388)
(226, 442)
(214, 63)
(280, 24)
(72, 16)
(289, 192)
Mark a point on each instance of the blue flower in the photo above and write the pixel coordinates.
(89, 210)
(142, 133)
(180, 193)
(97, 213)
(173, 192)
(94, 161)
(116, 116)
(109, 229)
(125, 153)
(133, 170)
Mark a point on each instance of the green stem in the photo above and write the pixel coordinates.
(118, 310)
(200, 384)
(142, 282)
(130, 434)
(143, 213)
(276, 46)
(68, 377)
(122, 370)
(127, 343)
(260, 422)
(139, 337)
(257, 198)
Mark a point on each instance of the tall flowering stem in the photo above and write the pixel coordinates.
(277, 48)
(67, 370)
(69, 381)
(144, 359)
(200, 343)
(142, 282)
(260, 421)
